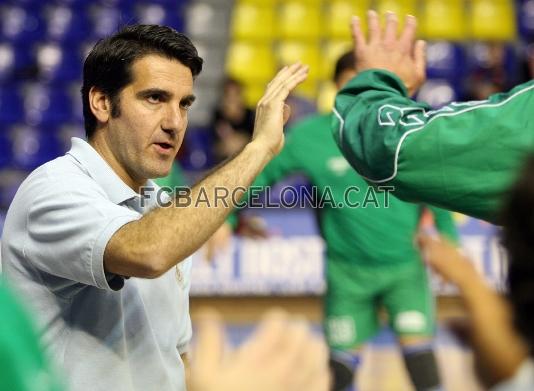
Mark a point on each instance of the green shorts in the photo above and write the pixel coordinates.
(355, 294)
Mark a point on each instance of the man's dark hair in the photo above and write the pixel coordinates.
(346, 62)
(518, 237)
(108, 65)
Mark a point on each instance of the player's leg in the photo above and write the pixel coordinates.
(350, 319)
(411, 308)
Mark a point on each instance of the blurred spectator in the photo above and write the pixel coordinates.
(233, 122)
(489, 75)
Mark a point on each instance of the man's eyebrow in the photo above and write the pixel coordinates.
(154, 91)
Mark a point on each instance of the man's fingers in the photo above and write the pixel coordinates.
(209, 346)
(282, 75)
(287, 115)
(390, 31)
(357, 34)
(408, 34)
(285, 86)
(374, 26)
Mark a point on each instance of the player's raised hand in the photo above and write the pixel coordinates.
(386, 49)
(272, 112)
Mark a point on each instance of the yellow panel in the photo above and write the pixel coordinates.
(326, 97)
(270, 3)
(253, 93)
(443, 19)
(330, 53)
(492, 20)
(250, 62)
(338, 16)
(297, 20)
(291, 52)
(252, 21)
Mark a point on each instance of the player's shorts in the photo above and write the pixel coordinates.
(355, 294)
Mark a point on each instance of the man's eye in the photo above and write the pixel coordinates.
(154, 98)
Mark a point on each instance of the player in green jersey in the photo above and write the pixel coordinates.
(371, 258)
(462, 157)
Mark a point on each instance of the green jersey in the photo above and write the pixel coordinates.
(371, 233)
(22, 363)
(461, 157)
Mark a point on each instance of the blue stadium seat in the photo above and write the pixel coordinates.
(196, 154)
(57, 63)
(19, 24)
(106, 20)
(63, 23)
(525, 14)
(445, 60)
(165, 14)
(65, 132)
(45, 105)
(32, 147)
(7, 61)
(5, 149)
(11, 105)
(9, 183)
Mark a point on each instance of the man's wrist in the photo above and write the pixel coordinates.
(260, 150)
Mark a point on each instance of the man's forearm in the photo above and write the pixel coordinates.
(169, 234)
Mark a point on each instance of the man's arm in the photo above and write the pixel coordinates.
(164, 237)
(461, 157)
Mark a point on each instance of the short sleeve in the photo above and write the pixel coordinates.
(69, 224)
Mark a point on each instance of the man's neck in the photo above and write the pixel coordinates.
(102, 148)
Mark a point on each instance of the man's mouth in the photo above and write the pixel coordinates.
(165, 146)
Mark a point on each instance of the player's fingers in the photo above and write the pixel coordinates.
(407, 37)
(420, 60)
(209, 347)
(357, 34)
(390, 31)
(373, 25)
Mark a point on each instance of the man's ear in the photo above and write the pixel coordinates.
(100, 105)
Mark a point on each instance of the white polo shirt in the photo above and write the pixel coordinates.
(105, 332)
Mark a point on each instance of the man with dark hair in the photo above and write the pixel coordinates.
(104, 268)
(371, 259)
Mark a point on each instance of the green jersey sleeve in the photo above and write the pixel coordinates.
(460, 157)
(444, 223)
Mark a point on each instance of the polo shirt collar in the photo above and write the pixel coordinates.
(101, 172)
